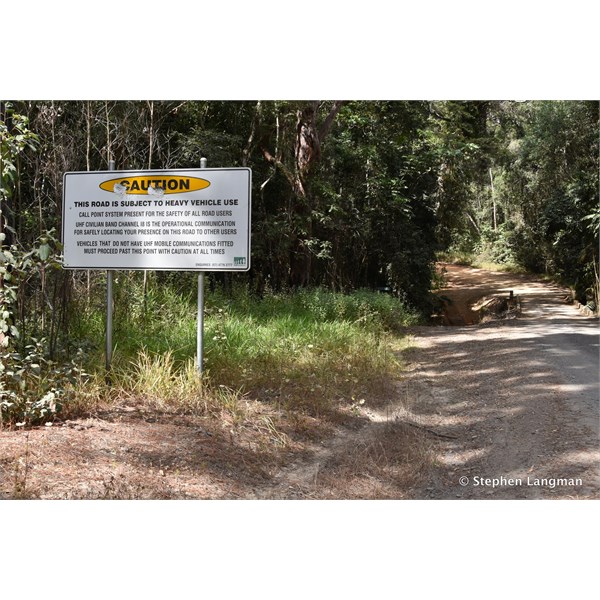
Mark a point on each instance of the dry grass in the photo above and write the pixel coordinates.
(386, 463)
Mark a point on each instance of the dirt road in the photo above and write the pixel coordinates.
(516, 400)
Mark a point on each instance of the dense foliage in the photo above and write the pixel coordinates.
(524, 189)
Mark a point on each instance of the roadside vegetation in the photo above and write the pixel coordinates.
(314, 352)
(478, 261)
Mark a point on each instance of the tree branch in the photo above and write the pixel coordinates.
(324, 130)
(255, 123)
(294, 182)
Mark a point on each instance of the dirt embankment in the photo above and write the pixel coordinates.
(472, 295)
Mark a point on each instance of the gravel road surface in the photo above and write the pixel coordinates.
(514, 403)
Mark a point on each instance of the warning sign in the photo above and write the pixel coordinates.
(184, 220)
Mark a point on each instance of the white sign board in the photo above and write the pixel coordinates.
(179, 220)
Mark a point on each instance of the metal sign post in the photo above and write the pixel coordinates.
(200, 317)
(200, 322)
(109, 307)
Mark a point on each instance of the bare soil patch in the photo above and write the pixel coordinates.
(126, 453)
(470, 295)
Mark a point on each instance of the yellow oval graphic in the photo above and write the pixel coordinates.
(154, 185)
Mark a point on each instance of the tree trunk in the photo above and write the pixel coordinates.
(493, 199)
(307, 152)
